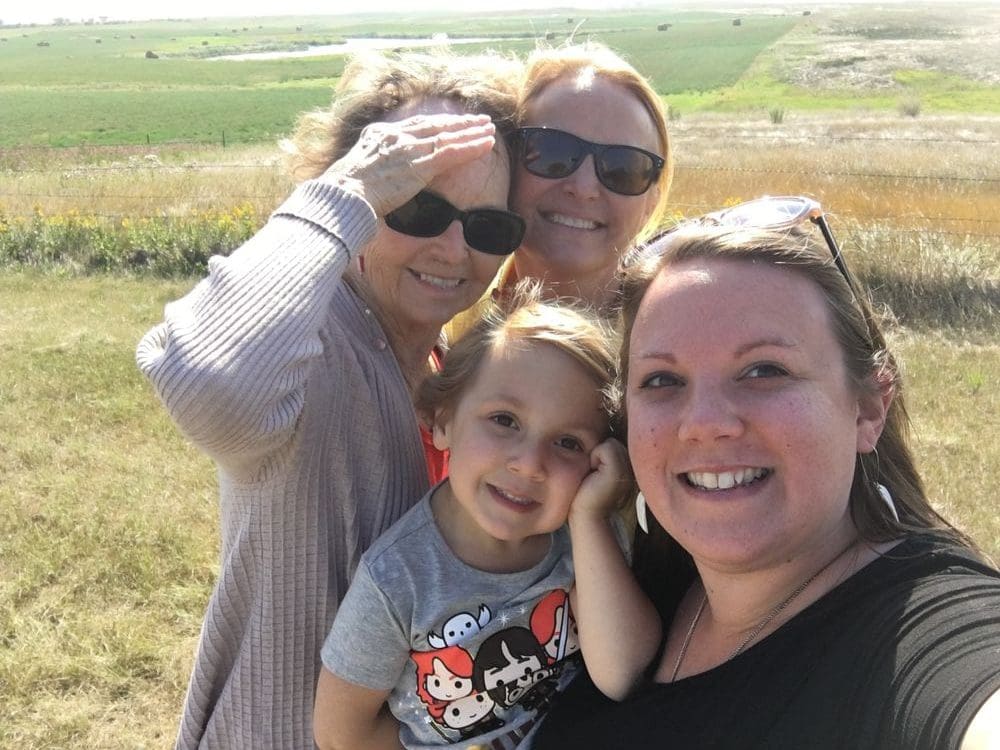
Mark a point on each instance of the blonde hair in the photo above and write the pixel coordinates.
(524, 319)
(546, 65)
(374, 85)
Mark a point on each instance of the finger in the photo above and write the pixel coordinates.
(599, 456)
(422, 126)
(445, 138)
(440, 159)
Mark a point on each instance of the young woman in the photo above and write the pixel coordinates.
(811, 595)
(592, 169)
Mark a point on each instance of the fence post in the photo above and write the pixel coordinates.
(223, 138)
(147, 139)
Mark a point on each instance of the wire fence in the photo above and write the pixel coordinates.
(678, 129)
(34, 183)
(215, 167)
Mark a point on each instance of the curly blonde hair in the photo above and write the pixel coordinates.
(374, 85)
(524, 318)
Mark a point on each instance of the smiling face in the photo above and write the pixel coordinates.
(743, 424)
(420, 283)
(576, 227)
(520, 439)
(442, 685)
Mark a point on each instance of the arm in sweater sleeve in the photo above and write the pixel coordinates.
(230, 359)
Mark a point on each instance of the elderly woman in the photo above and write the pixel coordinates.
(811, 596)
(292, 366)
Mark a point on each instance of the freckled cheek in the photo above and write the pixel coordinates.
(647, 445)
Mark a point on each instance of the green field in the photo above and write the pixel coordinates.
(112, 94)
(92, 84)
(109, 536)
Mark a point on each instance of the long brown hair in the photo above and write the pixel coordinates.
(869, 362)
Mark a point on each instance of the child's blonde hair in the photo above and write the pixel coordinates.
(523, 319)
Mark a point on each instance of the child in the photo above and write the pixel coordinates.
(458, 627)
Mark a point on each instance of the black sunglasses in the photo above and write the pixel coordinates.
(554, 154)
(488, 230)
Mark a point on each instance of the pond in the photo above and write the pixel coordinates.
(351, 46)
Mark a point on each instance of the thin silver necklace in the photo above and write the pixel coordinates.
(760, 625)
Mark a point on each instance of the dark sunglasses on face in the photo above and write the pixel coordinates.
(488, 230)
(554, 154)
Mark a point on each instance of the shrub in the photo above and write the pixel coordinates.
(777, 115)
(909, 107)
(166, 246)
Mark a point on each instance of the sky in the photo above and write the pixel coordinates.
(43, 11)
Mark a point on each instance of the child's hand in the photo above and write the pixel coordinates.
(601, 490)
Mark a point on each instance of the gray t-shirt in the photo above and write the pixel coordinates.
(470, 657)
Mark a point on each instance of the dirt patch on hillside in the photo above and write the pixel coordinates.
(863, 47)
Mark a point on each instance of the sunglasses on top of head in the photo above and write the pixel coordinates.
(769, 212)
(489, 230)
(554, 154)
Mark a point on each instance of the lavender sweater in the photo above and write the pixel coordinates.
(276, 369)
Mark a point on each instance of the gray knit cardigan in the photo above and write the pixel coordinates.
(277, 370)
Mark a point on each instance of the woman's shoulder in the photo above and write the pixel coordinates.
(930, 555)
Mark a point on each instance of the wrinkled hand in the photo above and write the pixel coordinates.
(602, 489)
(393, 161)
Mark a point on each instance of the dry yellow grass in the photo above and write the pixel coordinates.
(135, 182)
(109, 518)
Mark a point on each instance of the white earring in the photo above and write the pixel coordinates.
(883, 492)
(640, 512)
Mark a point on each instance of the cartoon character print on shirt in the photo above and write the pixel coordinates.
(551, 618)
(460, 627)
(444, 684)
(472, 715)
(516, 666)
(512, 667)
(443, 675)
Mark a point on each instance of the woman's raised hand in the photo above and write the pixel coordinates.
(393, 161)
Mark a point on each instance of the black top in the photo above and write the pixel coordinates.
(900, 655)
